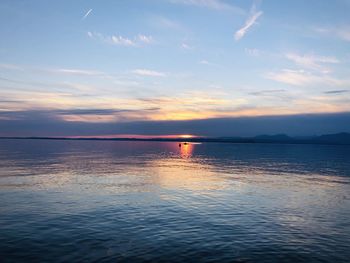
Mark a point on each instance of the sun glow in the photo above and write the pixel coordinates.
(137, 136)
(186, 136)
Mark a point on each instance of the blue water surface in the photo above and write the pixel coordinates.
(111, 201)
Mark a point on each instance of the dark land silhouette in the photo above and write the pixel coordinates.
(342, 138)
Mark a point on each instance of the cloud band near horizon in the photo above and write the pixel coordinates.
(40, 124)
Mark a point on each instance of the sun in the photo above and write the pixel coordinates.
(186, 136)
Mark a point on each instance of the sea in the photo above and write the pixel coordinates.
(134, 201)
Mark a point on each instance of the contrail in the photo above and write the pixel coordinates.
(87, 14)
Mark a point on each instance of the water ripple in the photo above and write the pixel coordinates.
(149, 202)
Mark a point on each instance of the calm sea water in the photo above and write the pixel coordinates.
(86, 201)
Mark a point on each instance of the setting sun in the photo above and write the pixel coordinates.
(186, 136)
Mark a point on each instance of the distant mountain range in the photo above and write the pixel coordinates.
(338, 138)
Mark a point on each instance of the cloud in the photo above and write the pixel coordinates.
(11, 101)
(312, 61)
(211, 4)
(121, 40)
(41, 123)
(253, 52)
(97, 111)
(341, 32)
(78, 115)
(164, 22)
(145, 39)
(251, 20)
(342, 91)
(10, 66)
(113, 39)
(148, 73)
(87, 14)
(292, 77)
(304, 78)
(186, 46)
(78, 72)
(35, 85)
(204, 62)
(267, 92)
(11, 80)
(208, 63)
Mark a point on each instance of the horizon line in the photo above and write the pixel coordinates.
(275, 138)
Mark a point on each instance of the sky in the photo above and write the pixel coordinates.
(204, 67)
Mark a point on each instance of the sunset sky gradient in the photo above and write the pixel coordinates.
(70, 64)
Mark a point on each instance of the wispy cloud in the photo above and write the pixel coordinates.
(304, 78)
(87, 14)
(113, 39)
(119, 40)
(163, 22)
(292, 77)
(79, 115)
(341, 32)
(250, 21)
(312, 61)
(137, 41)
(211, 4)
(186, 46)
(253, 52)
(145, 39)
(208, 63)
(10, 66)
(204, 62)
(148, 73)
(38, 70)
(78, 72)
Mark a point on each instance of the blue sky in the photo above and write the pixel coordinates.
(172, 60)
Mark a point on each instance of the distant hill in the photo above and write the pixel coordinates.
(338, 138)
(274, 138)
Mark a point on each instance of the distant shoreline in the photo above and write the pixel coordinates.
(330, 139)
